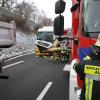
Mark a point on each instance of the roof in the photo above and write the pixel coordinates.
(46, 29)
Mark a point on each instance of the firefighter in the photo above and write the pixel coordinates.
(89, 72)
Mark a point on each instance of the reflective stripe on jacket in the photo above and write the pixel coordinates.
(90, 73)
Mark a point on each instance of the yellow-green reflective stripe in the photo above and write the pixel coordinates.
(88, 84)
(91, 85)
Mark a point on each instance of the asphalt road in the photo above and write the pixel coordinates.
(29, 77)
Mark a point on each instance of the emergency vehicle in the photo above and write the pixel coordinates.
(85, 29)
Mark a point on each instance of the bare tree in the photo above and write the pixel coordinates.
(11, 4)
(24, 9)
(34, 13)
(43, 20)
(25, 14)
(3, 3)
(47, 21)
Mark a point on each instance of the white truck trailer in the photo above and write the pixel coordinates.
(7, 39)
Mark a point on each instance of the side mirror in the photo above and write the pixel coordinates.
(74, 7)
(59, 7)
(59, 25)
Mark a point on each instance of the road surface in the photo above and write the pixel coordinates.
(33, 78)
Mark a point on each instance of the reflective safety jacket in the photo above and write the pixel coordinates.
(89, 71)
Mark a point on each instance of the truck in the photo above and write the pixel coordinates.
(85, 30)
(45, 38)
(7, 39)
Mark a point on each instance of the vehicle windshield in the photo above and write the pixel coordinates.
(46, 36)
(91, 17)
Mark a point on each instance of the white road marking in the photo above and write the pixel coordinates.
(12, 64)
(17, 57)
(40, 97)
(67, 67)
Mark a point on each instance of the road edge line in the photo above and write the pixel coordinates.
(17, 57)
(7, 66)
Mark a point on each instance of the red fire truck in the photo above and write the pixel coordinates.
(85, 29)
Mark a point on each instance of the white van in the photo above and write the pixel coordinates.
(45, 37)
(46, 34)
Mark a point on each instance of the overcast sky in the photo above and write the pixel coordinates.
(49, 5)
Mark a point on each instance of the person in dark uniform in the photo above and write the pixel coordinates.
(89, 72)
